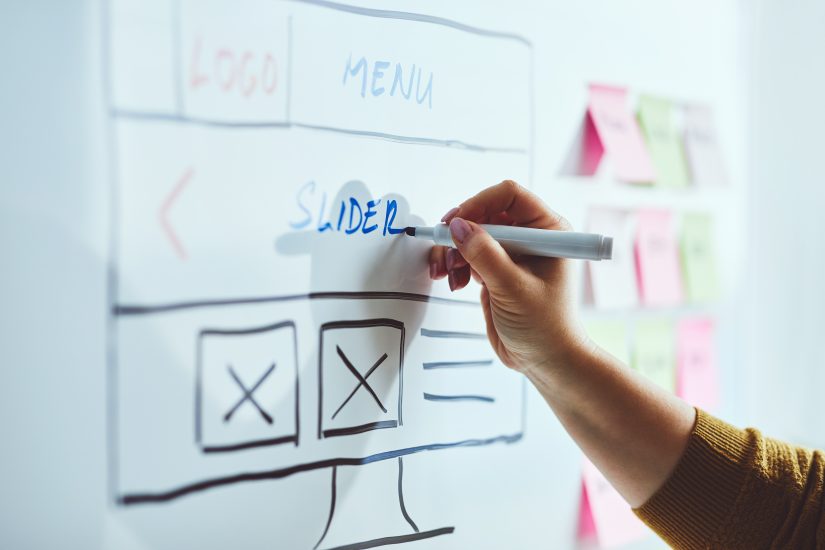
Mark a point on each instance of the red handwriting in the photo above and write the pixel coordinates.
(233, 70)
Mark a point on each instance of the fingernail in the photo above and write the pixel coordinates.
(433, 270)
(449, 215)
(450, 258)
(459, 229)
(451, 280)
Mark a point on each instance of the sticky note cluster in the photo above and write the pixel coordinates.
(659, 259)
(678, 356)
(667, 143)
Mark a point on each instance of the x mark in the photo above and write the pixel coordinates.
(247, 394)
(362, 380)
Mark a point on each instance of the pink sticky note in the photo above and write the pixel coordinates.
(697, 380)
(587, 525)
(657, 259)
(618, 134)
(605, 512)
(613, 283)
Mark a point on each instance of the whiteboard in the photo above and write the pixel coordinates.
(211, 290)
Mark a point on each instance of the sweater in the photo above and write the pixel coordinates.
(736, 489)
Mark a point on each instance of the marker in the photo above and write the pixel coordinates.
(530, 241)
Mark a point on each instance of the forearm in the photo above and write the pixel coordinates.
(632, 430)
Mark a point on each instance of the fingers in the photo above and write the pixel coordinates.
(458, 278)
(438, 263)
(485, 256)
(520, 206)
(454, 259)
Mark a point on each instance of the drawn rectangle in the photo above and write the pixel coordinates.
(246, 388)
(360, 370)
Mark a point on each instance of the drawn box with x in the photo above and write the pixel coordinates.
(246, 390)
(360, 370)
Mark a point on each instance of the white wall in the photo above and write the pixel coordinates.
(784, 364)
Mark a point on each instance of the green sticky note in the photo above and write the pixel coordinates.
(663, 141)
(654, 353)
(699, 257)
(611, 336)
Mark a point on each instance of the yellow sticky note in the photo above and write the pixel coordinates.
(654, 353)
(611, 336)
(699, 258)
(663, 141)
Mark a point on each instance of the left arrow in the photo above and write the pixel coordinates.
(163, 214)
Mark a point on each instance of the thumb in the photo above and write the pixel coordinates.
(484, 255)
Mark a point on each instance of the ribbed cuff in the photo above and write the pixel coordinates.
(688, 510)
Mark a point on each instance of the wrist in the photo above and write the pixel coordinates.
(563, 351)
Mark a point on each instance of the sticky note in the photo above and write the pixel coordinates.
(699, 257)
(654, 353)
(663, 141)
(613, 129)
(613, 283)
(657, 259)
(697, 378)
(604, 514)
(704, 155)
(611, 336)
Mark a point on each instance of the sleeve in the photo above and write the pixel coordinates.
(735, 489)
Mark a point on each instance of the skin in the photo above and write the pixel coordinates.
(633, 431)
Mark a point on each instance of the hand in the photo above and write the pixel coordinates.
(528, 302)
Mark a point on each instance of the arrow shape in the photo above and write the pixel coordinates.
(163, 214)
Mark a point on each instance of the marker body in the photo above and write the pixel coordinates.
(533, 242)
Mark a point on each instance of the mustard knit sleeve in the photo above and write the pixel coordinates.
(737, 489)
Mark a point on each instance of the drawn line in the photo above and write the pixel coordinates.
(366, 377)
(451, 334)
(401, 495)
(177, 54)
(418, 17)
(335, 432)
(247, 394)
(112, 264)
(134, 309)
(413, 140)
(457, 364)
(150, 116)
(331, 508)
(158, 116)
(249, 444)
(246, 331)
(399, 539)
(131, 499)
(361, 380)
(435, 397)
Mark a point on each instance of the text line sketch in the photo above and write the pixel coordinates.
(178, 140)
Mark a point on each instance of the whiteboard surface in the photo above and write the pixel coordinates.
(156, 227)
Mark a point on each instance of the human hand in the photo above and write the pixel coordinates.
(528, 301)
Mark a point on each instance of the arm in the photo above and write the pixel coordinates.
(630, 429)
(694, 479)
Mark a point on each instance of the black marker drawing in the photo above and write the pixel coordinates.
(244, 337)
(122, 312)
(431, 365)
(247, 394)
(362, 381)
(345, 331)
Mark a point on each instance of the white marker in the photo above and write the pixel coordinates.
(530, 241)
